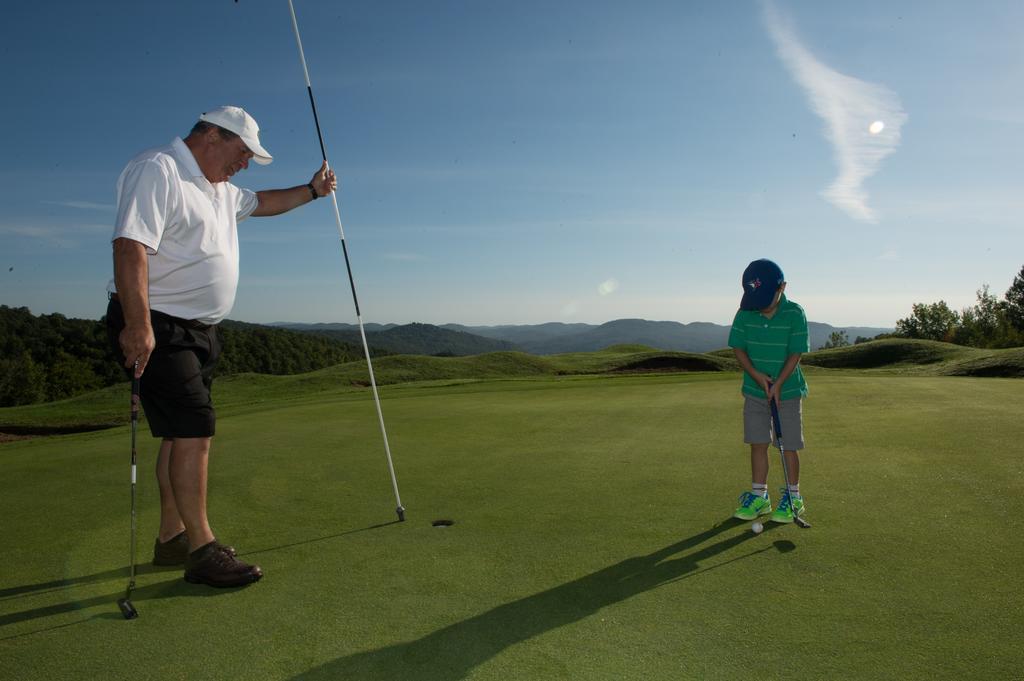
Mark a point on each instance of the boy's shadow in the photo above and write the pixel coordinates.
(453, 652)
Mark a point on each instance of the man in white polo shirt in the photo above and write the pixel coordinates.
(175, 249)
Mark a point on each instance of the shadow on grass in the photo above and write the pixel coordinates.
(15, 592)
(453, 652)
(165, 589)
(319, 539)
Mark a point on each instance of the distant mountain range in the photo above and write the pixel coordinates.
(553, 337)
(408, 339)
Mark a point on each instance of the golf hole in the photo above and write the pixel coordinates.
(784, 546)
(443, 523)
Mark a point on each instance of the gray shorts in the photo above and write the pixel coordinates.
(757, 422)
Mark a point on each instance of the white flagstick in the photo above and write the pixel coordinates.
(341, 230)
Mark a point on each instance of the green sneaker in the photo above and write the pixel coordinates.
(752, 505)
(788, 508)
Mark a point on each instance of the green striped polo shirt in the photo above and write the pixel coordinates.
(769, 342)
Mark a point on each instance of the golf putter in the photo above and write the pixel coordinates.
(777, 427)
(125, 604)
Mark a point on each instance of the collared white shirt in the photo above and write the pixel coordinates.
(189, 227)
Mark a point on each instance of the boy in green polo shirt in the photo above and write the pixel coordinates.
(769, 333)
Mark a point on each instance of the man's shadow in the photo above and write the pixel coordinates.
(453, 652)
(164, 589)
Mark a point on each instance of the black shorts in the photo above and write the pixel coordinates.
(175, 386)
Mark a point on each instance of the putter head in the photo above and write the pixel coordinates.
(127, 609)
(401, 513)
(801, 522)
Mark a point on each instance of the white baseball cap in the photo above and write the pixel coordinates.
(236, 120)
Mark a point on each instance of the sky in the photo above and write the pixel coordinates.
(529, 162)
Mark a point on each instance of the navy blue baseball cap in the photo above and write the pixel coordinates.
(761, 280)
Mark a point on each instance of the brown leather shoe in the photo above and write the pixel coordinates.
(174, 551)
(214, 566)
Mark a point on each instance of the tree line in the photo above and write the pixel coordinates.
(989, 323)
(53, 357)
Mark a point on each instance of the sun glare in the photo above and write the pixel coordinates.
(876, 127)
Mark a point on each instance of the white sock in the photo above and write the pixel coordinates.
(794, 490)
(759, 490)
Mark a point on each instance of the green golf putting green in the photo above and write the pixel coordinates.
(592, 537)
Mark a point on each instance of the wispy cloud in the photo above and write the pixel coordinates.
(862, 119)
(88, 205)
(403, 257)
(48, 235)
(61, 236)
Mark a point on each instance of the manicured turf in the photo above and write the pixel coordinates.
(591, 539)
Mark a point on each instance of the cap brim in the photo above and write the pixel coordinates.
(259, 154)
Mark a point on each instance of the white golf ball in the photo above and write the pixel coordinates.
(756, 528)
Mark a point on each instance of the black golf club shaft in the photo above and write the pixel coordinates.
(125, 604)
(777, 427)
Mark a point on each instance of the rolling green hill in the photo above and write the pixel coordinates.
(106, 407)
(921, 357)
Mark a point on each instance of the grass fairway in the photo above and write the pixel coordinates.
(592, 539)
